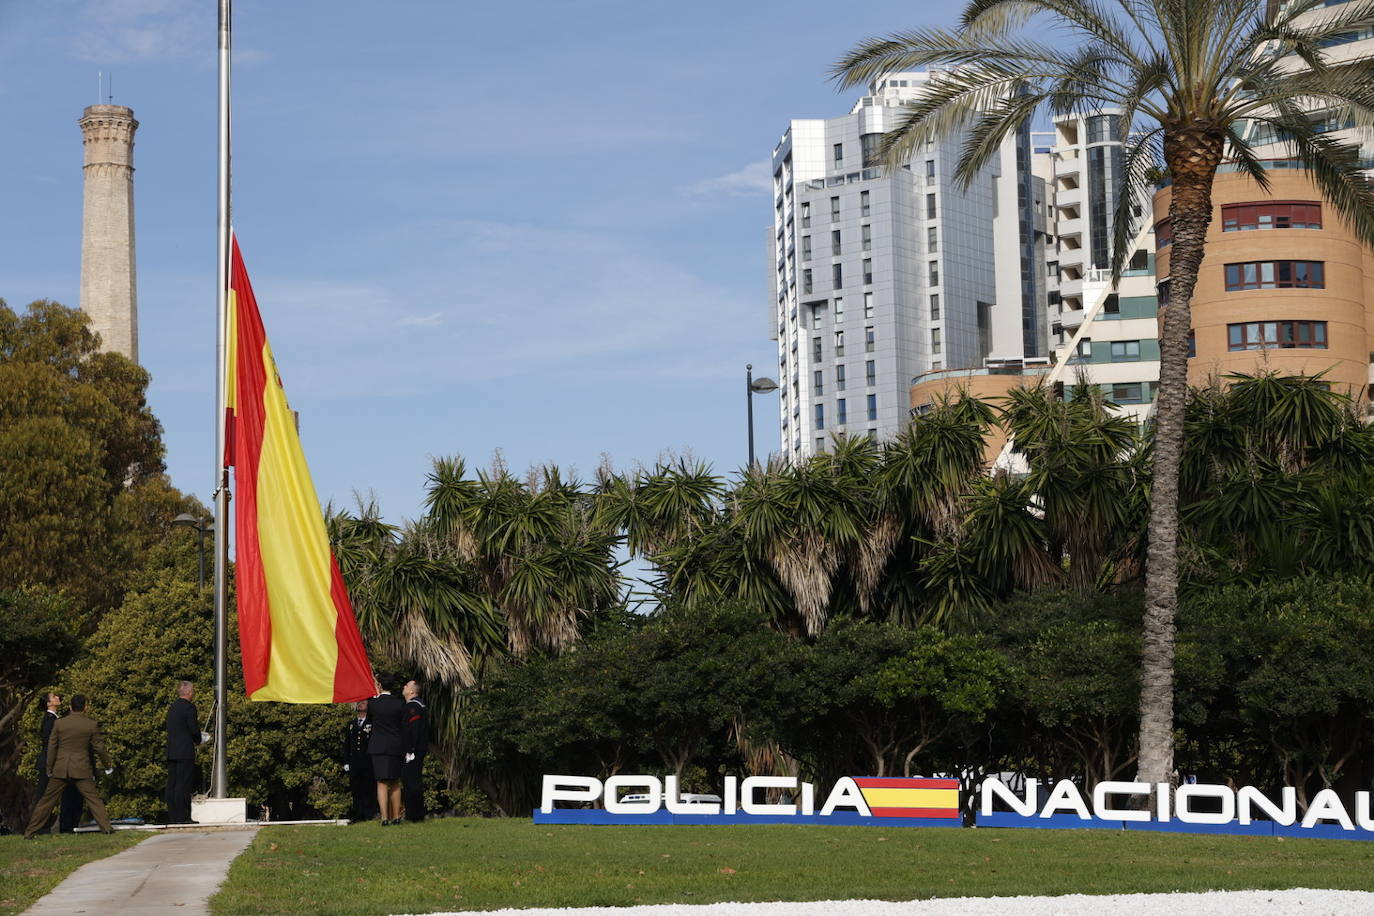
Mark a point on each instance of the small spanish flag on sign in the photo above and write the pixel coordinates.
(899, 797)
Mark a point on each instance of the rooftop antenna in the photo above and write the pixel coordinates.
(99, 86)
(111, 100)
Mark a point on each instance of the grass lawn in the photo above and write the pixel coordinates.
(479, 864)
(29, 869)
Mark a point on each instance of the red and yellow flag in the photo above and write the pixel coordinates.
(296, 626)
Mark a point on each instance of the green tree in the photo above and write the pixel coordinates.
(1186, 75)
(78, 445)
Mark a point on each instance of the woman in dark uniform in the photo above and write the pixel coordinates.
(387, 712)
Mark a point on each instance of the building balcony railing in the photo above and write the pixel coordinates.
(1028, 367)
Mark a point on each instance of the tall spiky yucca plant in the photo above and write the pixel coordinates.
(1186, 76)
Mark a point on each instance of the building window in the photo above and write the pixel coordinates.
(1275, 275)
(806, 215)
(1192, 344)
(817, 314)
(864, 208)
(866, 234)
(1272, 214)
(1162, 293)
(868, 339)
(834, 241)
(934, 306)
(930, 206)
(933, 275)
(1104, 128)
(1124, 351)
(1052, 268)
(836, 276)
(872, 407)
(839, 343)
(869, 145)
(1281, 335)
(841, 413)
(806, 248)
(1085, 348)
(932, 239)
(806, 280)
(820, 417)
(870, 373)
(1128, 393)
(818, 382)
(868, 305)
(816, 354)
(1164, 233)
(834, 209)
(839, 309)
(930, 171)
(934, 340)
(839, 377)
(839, 154)
(868, 271)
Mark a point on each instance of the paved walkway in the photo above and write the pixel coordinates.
(167, 873)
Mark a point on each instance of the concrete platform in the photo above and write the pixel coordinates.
(174, 872)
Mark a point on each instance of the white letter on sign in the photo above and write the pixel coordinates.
(1183, 804)
(746, 794)
(845, 794)
(569, 788)
(1326, 806)
(1065, 795)
(992, 786)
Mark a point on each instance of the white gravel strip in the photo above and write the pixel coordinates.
(1304, 901)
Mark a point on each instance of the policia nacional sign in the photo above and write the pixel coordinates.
(915, 802)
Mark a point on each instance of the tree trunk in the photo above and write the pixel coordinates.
(1192, 154)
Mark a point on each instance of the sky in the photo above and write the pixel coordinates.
(536, 227)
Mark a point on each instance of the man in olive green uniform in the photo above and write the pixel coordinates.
(73, 741)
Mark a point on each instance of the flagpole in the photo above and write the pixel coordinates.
(219, 780)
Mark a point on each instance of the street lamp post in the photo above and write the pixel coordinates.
(751, 386)
(202, 528)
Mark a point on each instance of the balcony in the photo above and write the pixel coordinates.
(1070, 320)
(1071, 227)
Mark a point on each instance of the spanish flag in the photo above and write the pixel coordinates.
(910, 796)
(299, 637)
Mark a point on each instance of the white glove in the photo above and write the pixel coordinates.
(204, 737)
(345, 768)
(109, 770)
(409, 758)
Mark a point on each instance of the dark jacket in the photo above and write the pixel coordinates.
(415, 732)
(386, 712)
(74, 741)
(355, 742)
(44, 733)
(183, 730)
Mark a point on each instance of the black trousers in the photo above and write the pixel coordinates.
(180, 774)
(413, 789)
(71, 806)
(363, 785)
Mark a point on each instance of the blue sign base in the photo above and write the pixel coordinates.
(1235, 828)
(663, 818)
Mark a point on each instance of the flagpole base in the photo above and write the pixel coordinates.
(209, 811)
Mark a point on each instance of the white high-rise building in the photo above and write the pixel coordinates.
(878, 277)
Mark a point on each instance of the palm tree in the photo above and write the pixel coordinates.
(1186, 75)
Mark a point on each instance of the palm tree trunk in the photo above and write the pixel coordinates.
(1192, 155)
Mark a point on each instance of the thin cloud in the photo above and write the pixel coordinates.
(432, 320)
(754, 178)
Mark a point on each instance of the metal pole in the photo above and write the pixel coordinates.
(200, 554)
(219, 787)
(749, 397)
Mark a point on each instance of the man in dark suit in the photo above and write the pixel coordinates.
(71, 799)
(73, 741)
(415, 740)
(386, 747)
(183, 734)
(358, 765)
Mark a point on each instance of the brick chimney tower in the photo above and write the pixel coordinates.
(109, 290)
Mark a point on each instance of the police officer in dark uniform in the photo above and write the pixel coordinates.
(358, 765)
(415, 738)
